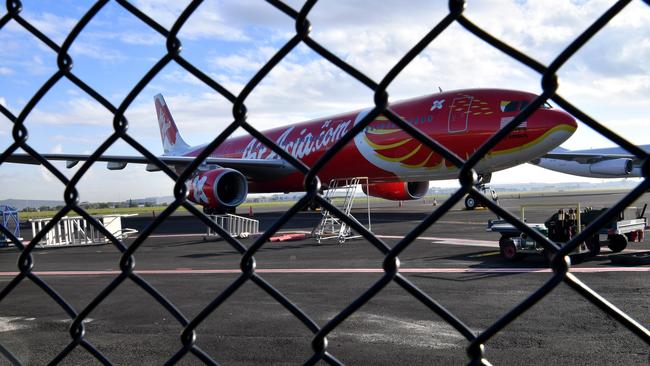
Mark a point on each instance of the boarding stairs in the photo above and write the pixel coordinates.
(341, 193)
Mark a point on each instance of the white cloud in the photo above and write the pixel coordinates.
(75, 140)
(178, 76)
(205, 22)
(74, 111)
(147, 39)
(46, 175)
(236, 63)
(57, 149)
(54, 26)
(96, 51)
(6, 71)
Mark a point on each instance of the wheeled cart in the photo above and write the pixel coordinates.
(565, 224)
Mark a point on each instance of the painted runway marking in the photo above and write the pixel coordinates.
(174, 235)
(333, 270)
(450, 241)
(9, 323)
(204, 234)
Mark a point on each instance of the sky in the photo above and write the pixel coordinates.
(609, 78)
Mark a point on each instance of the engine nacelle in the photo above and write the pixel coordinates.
(397, 191)
(613, 167)
(220, 189)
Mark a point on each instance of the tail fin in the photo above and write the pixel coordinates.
(171, 139)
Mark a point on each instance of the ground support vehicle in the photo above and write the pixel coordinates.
(618, 232)
(564, 225)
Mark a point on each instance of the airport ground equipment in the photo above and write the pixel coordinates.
(237, 226)
(341, 193)
(74, 231)
(618, 232)
(10, 221)
(564, 225)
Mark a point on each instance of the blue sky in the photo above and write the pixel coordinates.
(230, 40)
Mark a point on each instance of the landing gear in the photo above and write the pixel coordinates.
(471, 202)
(313, 205)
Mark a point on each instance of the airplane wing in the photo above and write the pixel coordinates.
(253, 169)
(594, 155)
(588, 157)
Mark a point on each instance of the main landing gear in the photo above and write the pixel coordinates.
(471, 202)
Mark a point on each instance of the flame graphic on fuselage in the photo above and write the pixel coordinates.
(396, 146)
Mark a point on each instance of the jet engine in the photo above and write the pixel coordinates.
(613, 167)
(218, 190)
(397, 191)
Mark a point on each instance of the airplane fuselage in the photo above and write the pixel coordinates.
(460, 120)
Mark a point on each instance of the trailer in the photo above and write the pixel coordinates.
(564, 225)
(618, 232)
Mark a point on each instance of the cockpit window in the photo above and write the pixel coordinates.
(518, 105)
(523, 104)
(509, 106)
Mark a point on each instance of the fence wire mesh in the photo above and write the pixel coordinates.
(188, 340)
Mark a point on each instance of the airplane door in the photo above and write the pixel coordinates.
(459, 113)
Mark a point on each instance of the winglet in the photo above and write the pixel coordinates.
(171, 139)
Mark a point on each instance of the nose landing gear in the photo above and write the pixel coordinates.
(472, 202)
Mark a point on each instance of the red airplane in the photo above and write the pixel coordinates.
(397, 166)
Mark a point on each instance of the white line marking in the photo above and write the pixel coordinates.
(450, 241)
(9, 323)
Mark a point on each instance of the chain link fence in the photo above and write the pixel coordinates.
(188, 341)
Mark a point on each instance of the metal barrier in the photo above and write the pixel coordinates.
(188, 342)
(10, 221)
(71, 231)
(236, 226)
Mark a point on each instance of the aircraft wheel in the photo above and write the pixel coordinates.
(593, 245)
(470, 202)
(508, 249)
(617, 243)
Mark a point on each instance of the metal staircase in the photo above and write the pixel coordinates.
(332, 227)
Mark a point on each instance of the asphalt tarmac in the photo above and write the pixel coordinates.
(455, 262)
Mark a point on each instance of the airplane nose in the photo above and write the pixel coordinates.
(566, 119)
(550, 119)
